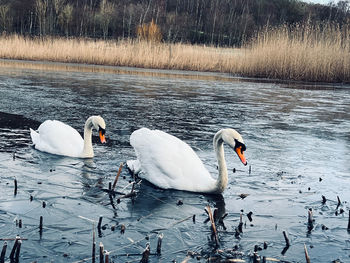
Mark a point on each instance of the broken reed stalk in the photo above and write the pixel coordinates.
(223, 217)
(215, 215)
(18, 250)
(116, 178)
(213, 227)
(145, 254)
(101, 252)
(306, 254)
(256, 258)
(111, 200)
(286, 238)
(15, 191)
(309, 220)
(3, 252)
(93, 256)
(106, 257)
(99, 223)
(13, 251)
(339, 202)
(310, 224)
(159, 243)
(240, 225)
(132, 187)
(131, 194)
(41, 224)
(122, 229)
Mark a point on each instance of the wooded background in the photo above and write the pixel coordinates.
(215, 22)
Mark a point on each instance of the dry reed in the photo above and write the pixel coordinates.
(131, 53)
(303, 52)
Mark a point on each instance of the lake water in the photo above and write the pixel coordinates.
(298, 149)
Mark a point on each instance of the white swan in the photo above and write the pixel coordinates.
(59, 138)
(170, 163)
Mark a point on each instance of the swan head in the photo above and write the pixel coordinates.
(99, 124)
(235, 141)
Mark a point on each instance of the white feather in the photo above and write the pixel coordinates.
(168, 162)
(56, 137)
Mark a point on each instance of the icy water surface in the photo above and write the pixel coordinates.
(298, 149)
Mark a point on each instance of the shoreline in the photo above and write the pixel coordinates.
(152, 72)
(274, 55)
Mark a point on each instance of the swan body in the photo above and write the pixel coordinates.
(170, 163)
(56, 137)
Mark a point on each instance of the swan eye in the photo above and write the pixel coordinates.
(240, 145)
(103, 131)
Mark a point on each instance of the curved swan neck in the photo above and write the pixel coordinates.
(88, 150)
(218, 144)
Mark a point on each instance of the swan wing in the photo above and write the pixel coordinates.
(168, 162)
(35, 136)
(134, 166)
(57, 138)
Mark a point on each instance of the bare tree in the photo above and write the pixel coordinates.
(57, 7)
(222, 22)
(105, 16)
(5, 20)
(65, 18)
(41, 11)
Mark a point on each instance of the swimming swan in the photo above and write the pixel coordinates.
(170, 163)
(59, 138)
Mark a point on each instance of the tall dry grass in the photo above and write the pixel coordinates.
(133, 53)
(303, 52)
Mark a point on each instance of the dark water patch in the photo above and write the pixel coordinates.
(13, 121)
(14, 131)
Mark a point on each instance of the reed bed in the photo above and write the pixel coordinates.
(302, 52)
(133, 53)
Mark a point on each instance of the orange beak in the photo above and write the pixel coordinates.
(240, 154)
(102, 137)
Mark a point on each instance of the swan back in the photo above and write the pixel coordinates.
(168, 162)
(57, 138)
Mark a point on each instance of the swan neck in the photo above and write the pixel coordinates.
(220, 155)
(88, 150)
